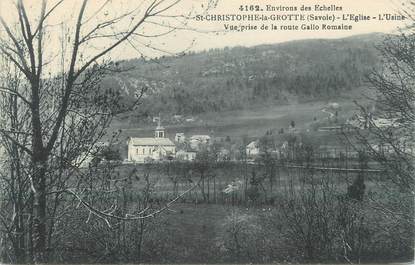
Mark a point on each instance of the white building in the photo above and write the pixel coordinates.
(186, 155)
(252, 149)
(333, 105)
(385, 123)
(141, 150)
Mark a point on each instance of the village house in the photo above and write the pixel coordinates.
(186, 155)
(197, 142)
(252, 149)
(191, 119)
(177, 118)
(361, 122)
(155, 148)
(180, 138)
(385, 123)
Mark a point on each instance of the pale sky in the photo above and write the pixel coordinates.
(366, 7)
(182, 39)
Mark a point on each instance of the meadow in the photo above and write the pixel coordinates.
(274, 213)
(253, 122)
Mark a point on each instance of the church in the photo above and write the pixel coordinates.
(157, 148)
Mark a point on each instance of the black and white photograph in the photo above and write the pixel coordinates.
(207, 132)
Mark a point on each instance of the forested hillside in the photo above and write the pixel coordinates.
(240, 77)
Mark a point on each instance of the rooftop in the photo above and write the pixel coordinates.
(200, 136)
(150, 141)
(253, 144)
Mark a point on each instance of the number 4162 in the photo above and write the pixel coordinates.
(249, 8)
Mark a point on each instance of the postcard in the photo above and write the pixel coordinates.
(207, 131)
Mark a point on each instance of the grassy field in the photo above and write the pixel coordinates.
(200, 230)
(250, 123)
(169, 180)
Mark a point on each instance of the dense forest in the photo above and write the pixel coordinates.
(241, 77)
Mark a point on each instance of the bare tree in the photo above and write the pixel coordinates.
(68, 112)
(388, 130)
(14, 178)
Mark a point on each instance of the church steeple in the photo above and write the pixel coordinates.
(159, 132)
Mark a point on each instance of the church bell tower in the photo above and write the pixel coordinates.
(159, 132)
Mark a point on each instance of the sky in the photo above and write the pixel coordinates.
(365, 7)
(196, 35)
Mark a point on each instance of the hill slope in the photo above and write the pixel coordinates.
(241, 78)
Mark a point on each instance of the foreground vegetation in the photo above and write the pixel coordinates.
(309, 216)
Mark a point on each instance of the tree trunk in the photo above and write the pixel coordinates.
(140, 240)
(17, 187)
(208, 190)
(39, 208)
(214, 190)
(29, 244)
(19, 230)
(40, 155)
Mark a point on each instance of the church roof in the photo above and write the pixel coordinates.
(151, 141)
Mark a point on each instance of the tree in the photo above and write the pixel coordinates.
(240, 230)
(67, 110)
(356, 191)
(13, 182)
(391, 144)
